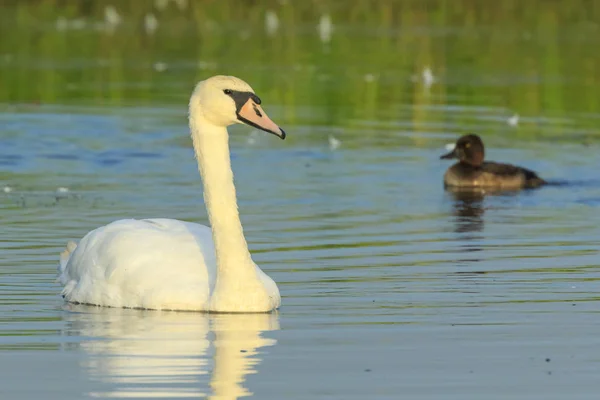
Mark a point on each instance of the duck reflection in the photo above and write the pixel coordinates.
(468, 209)
(137, 353)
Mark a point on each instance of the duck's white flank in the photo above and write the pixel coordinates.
(166, 264)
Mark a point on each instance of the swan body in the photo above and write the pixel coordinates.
(167, 264)
(151, 264)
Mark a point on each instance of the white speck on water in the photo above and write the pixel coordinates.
(334, 143)
(325, 28)
(62, 190)
(206, 65)
(150, 23)
(7, 189)
(63, 24)
(369, 77)
(111, 16)
(513, 121)
(160, 66)
(428, 77)
(271, 22)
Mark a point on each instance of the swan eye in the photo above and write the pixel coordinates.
(255, 98)
(228, 91)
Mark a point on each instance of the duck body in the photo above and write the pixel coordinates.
(491, 175)
(471, 171)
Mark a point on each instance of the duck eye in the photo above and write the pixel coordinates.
(228, 91)
(468, 145)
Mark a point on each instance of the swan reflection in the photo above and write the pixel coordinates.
(137, 353)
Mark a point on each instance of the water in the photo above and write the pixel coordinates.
(392, 287)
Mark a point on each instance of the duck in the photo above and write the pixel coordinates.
(168, 264)
(472, 172)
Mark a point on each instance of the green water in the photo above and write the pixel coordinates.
(533, 57)
(392, 288)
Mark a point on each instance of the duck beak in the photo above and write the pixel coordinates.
(252, 114)
(450, 155)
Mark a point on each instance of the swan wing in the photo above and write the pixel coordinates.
(149, 263)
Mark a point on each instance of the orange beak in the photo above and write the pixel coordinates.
(252, 114)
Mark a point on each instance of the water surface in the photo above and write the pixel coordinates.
(392, 287)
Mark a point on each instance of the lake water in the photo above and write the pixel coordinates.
(391, 287)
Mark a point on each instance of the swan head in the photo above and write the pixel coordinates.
(227, 100)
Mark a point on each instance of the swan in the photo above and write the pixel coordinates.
(167, 264)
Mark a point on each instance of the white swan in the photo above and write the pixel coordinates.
(166, 264)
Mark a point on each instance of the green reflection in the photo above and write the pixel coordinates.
(535, 57)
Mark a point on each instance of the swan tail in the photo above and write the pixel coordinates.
(64, 260)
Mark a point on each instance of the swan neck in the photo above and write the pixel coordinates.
(211, 146)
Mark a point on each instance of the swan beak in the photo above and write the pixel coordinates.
(252, 114)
